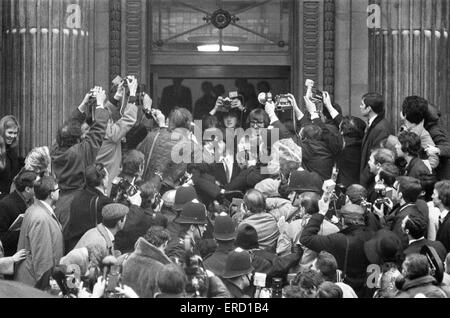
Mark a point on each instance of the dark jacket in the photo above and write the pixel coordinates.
(380, 129)
(317, 157)
(235, 291)
(203, 106)
(69, 164)
(138, 221)
(395, 219)
(348, 162)
(175, 97)
(423, 285)
(441, 138)
(13, 164)
(351, 238)
(141, 268)
(417, 169)
(416, 246)
(85, 214)
(443, 233)
(11, 207)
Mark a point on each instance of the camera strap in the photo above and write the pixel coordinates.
(94, 213)
(150, 153)
(344, 273)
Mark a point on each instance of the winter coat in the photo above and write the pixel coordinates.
(317, 157)
(279, 207)
(110, 153)
(10, 208)
(350, 239)
(141, 268)
(380, 129)
(416, 246)
(69, 164)
(266, 227)
(98, 235)
(423, 285)
(85, 213)
(13, 164)
(138, 221)
(40, 234)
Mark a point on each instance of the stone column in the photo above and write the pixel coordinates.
(47, 64)
(408, 51)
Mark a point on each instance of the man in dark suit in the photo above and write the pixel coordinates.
(441, 200)
(12, 206)
(415, 227)
(175, 95)
(373, 109)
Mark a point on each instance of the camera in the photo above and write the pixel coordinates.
(227, 101)
(315, 94)
(113, 280)
(122, 189)
(282, 101)
(277, 287)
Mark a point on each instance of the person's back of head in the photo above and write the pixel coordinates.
(447, 263)
(114, 215)
(133, 163)
(383, 155)
(329, 290)
(43, 187)
(24, 179)
(210, 121)
(149, 192)
(414, 109)
(352, 127)
(376, 102)
(415, 225)
(309, 280)
(309, 201)
(389, 173)
(255, 201)
(171, 280)
(95, 174)
(157, 235)
(356, 193)
(311, 132)
(69, 134)
(38, 160)
(327, 265)
(207, 87)
(415, 266)
(410, 188)
(180, 118)
(410, 143)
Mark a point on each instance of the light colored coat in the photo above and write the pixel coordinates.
(6, 263)
(110, 153)
(41, 235)
(98, 235)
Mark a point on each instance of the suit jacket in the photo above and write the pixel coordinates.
(219, 172)
(380, 129)
(416, 246)
(10, 208)
(40, 234)
(443, 233)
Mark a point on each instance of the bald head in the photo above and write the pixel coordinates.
(255, 202)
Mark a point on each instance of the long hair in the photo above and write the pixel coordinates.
(9, 121)
(2, 153)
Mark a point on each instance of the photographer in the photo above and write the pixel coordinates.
(347, 245)
(86, 208)
(110, 152)
(71, 155)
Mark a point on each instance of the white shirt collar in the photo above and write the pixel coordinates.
(372, 119)
(419, 239)
(111, 236)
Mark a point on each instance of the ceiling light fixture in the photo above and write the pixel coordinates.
(217, 48)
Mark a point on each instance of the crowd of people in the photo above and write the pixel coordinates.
(141, 200)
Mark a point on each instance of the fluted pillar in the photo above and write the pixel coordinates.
(47, 47)
(408, 51)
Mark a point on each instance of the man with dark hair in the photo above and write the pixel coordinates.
(113, 220)
(409, 148)
(441, 200)
(416, 271)
(13, 205)
(415, 227)
(406, 193)
(140, 269)
(264, 222)
(40, 234)
(378, 157)
(140, 218)
(86, 208)
(379, 128)
(72, 155)
(329, 290)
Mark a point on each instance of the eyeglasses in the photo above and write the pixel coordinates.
(256, 123)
